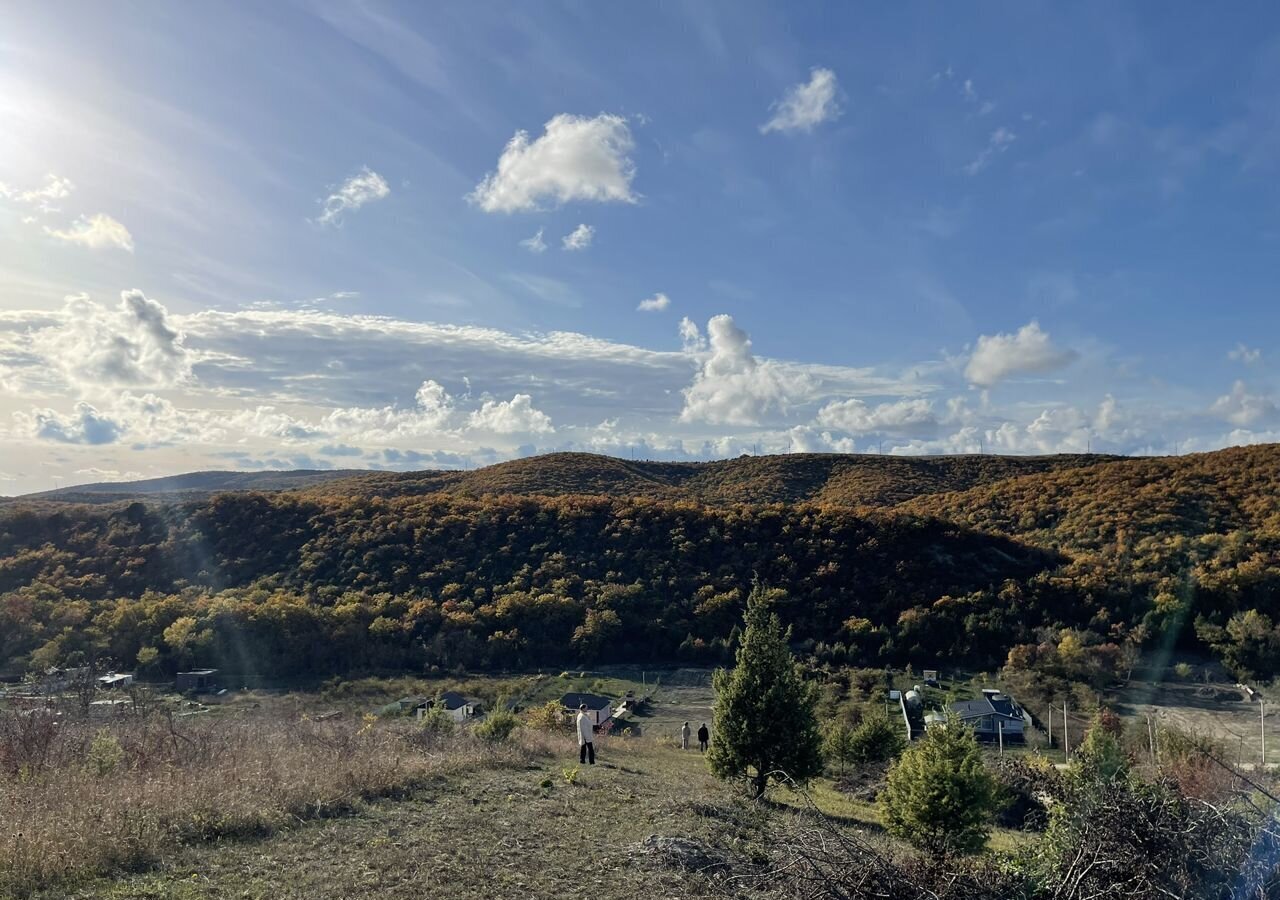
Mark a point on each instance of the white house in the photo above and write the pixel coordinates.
(600, 709)
(458, 707)
(114, 680)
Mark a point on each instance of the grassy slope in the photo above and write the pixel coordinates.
(499, 834)
(484, 834)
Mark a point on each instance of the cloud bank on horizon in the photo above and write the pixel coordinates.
(866, 242)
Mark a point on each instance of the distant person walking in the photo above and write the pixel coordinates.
(586, 737)
(704, 738)
(684, 736)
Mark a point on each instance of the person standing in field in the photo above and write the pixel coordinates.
(704, 737)
(684, 736)
(586, 737)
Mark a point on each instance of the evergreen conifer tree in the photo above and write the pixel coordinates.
(764, 716)
(939, 795)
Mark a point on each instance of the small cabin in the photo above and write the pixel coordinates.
(458, 707)
(197, 681)
(115, 681)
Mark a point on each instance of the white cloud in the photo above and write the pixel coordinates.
(1000, 356)
(515, 416)
(576, 158)
(657, 303)
(1240, 407)
(997, 143)
(1243, 354)
(43, 198)
(580, 238)
(85, 426)
(364, 187)
(431, 415)
(907, 416)
(732, 387)
(134, 345)
(806, 106)
(535, 244)
(96, 232)
(691, 338)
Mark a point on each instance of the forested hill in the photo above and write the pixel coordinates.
(827, 478)
(288, 585)
(1125, 502)
(1060, 563)
(189, 485)
(824, 478)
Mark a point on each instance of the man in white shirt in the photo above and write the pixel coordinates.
(586, 737)
(684, 736)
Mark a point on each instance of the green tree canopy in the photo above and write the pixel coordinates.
(764, 715)
(939, 796)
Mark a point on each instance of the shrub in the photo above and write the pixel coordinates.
(497, 727)
(877, 739)
(105, 754)
(436, 725)
(548, 717)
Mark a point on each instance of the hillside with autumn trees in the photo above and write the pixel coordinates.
(1068, 564)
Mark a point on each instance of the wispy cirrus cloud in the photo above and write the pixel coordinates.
(97, 232)
(806, 105)
(364, 187)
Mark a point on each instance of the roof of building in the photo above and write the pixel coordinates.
(593, 701)
(454, 700)
(976, 709)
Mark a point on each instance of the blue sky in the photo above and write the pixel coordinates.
(267, 235)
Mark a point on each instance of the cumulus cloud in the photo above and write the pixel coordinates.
(365, 186)
(732, 387)
(134, 345)
(1000, 356)
(84, 426)
(807, 105)
(691, 338)
(535, 244)
(97, 232)
(432, 413)
(576, 158)
(906, 416)
(580, 238)
(997, 143)
(515, 416)
(657, 303)
(1242, 407)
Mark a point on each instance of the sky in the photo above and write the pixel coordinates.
(403, 235)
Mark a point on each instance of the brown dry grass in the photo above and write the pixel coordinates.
(80, 798)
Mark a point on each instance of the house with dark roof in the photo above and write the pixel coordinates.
(600, 709)
(992, 718)
(458, 707)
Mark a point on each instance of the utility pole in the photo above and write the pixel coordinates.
(1151, 738)
(1262, 720)
(1000, 734)
(1050, 726)
(1066, 737)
